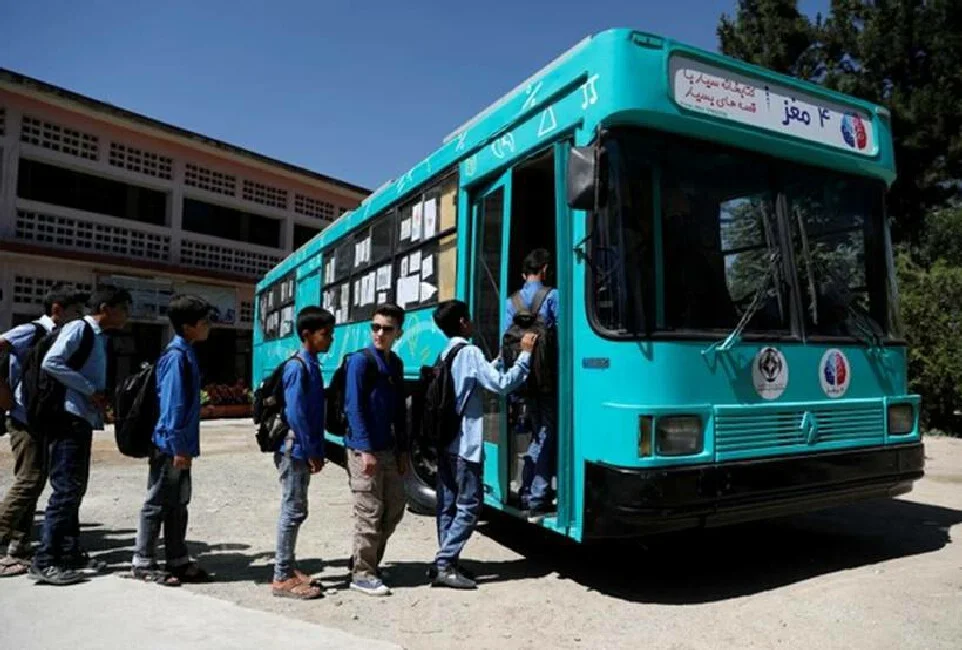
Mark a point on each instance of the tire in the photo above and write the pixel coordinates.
(421, 478)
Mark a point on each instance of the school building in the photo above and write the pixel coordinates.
(91, 193)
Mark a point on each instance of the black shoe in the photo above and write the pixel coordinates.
(433, 572)
(453, 579)
(53, 575)
(83, 563)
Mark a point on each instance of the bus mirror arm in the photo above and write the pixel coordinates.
(584, 182)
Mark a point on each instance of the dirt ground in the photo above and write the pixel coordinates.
(883, 574)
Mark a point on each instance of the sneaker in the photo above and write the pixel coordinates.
(57, 576)
(382, 574)
(371, 587)
(433, 572)
(537, 513)
(453, 579)
(83, 563)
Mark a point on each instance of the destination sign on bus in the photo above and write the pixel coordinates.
(728, 95)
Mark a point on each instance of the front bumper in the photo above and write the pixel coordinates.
(628, 502)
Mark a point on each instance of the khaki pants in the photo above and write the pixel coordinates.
(20, 503)
(378, 508)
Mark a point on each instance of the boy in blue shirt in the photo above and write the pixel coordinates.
(541, 458)
(377, 445)
(177, 442)
(60, 306)
(60, 558)
(302, 452)
(461, 465)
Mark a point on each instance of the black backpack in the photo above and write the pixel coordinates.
(335, 417)
(542, 380)
(268, 410)
(439, 416)
(39, 332)
(43, 394)
(137, 409)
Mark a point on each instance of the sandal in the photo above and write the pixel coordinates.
(155, 575)
(190, 572)
(13, 566)
(294, 588)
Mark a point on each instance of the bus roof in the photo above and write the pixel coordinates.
(493, 137)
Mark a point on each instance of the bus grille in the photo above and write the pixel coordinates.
(739, 431)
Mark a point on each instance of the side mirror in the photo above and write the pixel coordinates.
(584, 183)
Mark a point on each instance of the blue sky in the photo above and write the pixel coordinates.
(357, 90)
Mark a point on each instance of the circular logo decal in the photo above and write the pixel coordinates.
(853, 131)
(770, 373)
(835, 373)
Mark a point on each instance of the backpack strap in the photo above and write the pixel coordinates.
(39, 331)
(449, 366)
(79, 358)
(539, 298)
(519, 306)
(187, 379)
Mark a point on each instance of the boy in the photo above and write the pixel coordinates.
(377, 443)
(60, 306)
(461, 465)
(302, 453)
(59, 559)
(177, 441)
(540, 460)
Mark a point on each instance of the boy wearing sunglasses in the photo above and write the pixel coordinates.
(377, 445)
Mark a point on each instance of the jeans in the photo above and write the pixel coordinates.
(20, 502)
(459, 499)
(168, 495)
(541, 459)
(379, 503)
(69, 458)
(295, 477)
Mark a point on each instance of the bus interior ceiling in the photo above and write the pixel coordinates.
(532, 216)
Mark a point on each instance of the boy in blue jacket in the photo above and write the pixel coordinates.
(177, 441)
(377, 446)
(302, 452)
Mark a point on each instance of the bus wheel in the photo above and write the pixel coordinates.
(419, 482)
(421, 477)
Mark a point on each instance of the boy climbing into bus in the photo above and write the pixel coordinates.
(377, 447)
(534, 308)
(176, 439)
(301, 452)
(461, 463)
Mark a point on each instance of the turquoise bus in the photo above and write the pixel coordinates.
(730, 346)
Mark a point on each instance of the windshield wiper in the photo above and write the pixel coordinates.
(807, 254)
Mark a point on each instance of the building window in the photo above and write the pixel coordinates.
(246, 312)
(273, 197)
(225, 259)
(210, 180)
(3, 121)
(37, 181)
(31, 290)
(59, 138)
(276, 305)
(89, 236)
(229, 223)
(303, 234)
(343, 210)
(407, 256)
(140, 161)
(313, 207)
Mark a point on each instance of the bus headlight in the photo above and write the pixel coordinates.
(901, 419)
(679, 435)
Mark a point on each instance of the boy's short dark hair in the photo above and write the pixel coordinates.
(311, 319)
(536, 260)
(108, 296)
(64, 295)
(448, 316)
(391, 311)
(187, 310)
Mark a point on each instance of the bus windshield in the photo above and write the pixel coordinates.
(734, 225)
